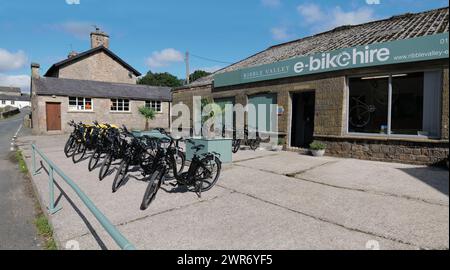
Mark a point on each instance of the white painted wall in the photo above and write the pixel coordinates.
(17, 104)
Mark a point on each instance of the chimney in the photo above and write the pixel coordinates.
(35, 70)
(99, 38)
(72, 54)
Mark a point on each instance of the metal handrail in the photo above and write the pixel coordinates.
(104, 221)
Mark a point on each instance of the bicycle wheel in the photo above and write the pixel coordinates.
(236, 146)
(69, 147)
(120, 175)
(105, 167)
(80, 151)
(360, 116)
(254, 144)
(93, 161)
(208, 173)
(180, 161)
(152, 189)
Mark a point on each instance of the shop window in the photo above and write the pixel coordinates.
(80, 104)
(120, 105)
(154, 105)
(396, 104)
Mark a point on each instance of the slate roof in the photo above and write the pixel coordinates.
(49, 86)
(15, 98)
(88, 53)
(395, 28)
(6, 89)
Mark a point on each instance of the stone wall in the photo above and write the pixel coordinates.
(329, 100)
(402, 151)
(98, 67)
(445, 100)
(101, 113)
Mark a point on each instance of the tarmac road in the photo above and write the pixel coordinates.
(17, 231)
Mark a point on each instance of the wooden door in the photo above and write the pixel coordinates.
(53, 116)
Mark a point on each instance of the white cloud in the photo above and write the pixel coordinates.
(22, 81)
(280, 33)
(164, 58)
(326, 19)
(311, 13)
(271, 3)
(11, 61)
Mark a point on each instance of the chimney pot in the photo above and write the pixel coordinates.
(35, 70)
(72, 54)
(99, 38)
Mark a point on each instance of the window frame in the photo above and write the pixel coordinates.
(84, 105)
(389, 120)
(124, 101)
(152, 107)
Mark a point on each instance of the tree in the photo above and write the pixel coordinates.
(148, 114)
(198, 74)
(160, 79)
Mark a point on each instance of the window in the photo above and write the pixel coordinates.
(120, 105)
(13, 102)
(155, 105)
(80, 104)
(396, 104)
(3, 102)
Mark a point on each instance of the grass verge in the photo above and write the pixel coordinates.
(43, 227)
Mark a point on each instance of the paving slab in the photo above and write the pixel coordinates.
(254, 206)
(420, 224)
(239, 222)
(284, 163)
(410, 181)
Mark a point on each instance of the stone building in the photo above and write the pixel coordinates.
(94, 85)
(12, 96)
(376, 91)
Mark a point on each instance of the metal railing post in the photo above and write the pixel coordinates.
(51, 184)
(104, 221)
(33, 159)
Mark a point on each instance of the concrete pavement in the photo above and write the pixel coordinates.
(17, 213)
(266, 200)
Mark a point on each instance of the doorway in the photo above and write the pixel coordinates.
(53, 113)
(303, 112)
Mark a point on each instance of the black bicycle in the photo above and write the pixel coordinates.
(252, 143)
(203, 173)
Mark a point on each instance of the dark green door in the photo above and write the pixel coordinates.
(265, 100)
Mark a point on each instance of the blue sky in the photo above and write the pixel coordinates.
(154, 34)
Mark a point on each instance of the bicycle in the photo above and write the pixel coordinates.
(202, 168)
(252, 143)
(361, 113)
(144, 155)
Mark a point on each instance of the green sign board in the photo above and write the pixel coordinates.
(400, 51)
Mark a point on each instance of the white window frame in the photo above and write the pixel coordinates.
(77, 100)
(153, 104)
(3, 102)
(120, 103)
(389, 130)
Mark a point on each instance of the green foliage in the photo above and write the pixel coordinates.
(317, 146)
(45, 230)
(22, 165)
(148, 114)
(198, 74)
(160, 79)
(281, 141)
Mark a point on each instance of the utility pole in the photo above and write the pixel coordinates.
(188, 73)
